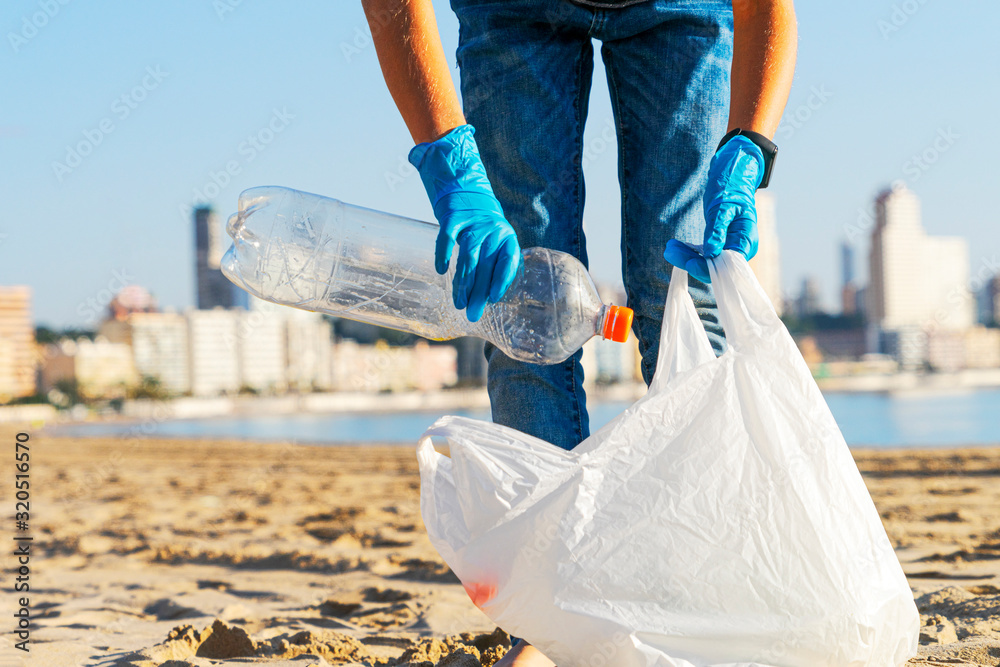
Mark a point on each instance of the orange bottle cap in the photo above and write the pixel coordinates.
(617, 323)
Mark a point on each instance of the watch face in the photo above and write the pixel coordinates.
(769, 158)
(770, 151)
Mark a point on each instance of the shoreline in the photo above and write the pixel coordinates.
(138, 410)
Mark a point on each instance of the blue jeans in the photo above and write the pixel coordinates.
(526, 68)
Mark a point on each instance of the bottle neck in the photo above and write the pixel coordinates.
(603, 320)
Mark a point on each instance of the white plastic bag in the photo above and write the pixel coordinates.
(720, 520)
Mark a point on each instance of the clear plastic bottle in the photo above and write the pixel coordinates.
(320, 254)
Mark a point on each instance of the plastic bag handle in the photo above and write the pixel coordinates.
(683, 343)
(745, 311)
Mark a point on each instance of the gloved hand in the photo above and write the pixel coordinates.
(470, 216)
(730, 208)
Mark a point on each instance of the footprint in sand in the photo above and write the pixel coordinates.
(951, 517)
(964, 491)
(386, 595)
(166, 609)
(373, 612)
(421, 569)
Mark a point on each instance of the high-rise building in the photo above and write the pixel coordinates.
(917, 281)
(992, 294)
(8, 368)
(766, 264)
(309, 348)
(213, 346)
(17, 350)
(261, 343)
(861, 301)
(307, 344)
(848, 284)
(159, 343)
(846, 263)
(213, 288)
(809, 300)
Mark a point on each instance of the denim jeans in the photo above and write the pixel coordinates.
(526, 69)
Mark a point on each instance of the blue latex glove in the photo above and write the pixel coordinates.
(471, 217)
(730, 208)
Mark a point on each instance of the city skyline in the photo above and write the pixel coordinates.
(294, 97)
(212, 289)
(918, 314)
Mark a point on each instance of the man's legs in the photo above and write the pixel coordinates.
(668, 70)
(526, 71)
(526, 75)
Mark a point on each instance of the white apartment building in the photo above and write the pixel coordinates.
(917, 281)
(380, 367)
(261, 343)
(159, 346)
(214, 358)
(208, 352)
(309, 346)
(100, 368)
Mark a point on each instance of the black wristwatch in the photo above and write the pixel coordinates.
(766, 146)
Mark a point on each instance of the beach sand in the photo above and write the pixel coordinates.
(177, 553)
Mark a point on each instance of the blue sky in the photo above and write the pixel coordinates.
(197, 100)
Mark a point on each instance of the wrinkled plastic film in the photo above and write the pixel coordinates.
(720, 520)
